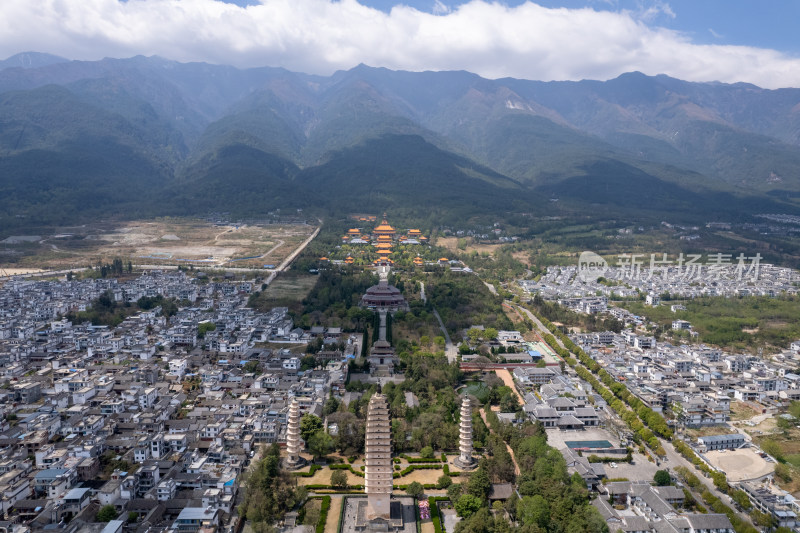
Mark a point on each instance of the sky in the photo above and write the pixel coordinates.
(696, 40)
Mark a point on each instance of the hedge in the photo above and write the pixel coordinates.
(596, 459)
(410, 468)
(426, 486)
(310, 473)
(351, 489)
(323, 513)
(419, 459)
(346, 467)
(435, 518)
(446, 469)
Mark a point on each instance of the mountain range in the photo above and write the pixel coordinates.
(148, 136)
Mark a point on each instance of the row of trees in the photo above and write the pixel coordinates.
(639, 415)
(655, 422)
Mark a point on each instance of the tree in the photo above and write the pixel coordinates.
(339, 479)
(251, 367)
(773, 448)
(794, 409)
(415, 489)
(320, 444)
(479, 484)
(443, 482)
(331, 405)
(783, 472)
(466, 505)
(106, 514)
(509, 403)
(426, 452)
(309, 424)
(474, 335)
(205, 327)
(534, 510)
(662, 478)
(741, 499)
(490, 333)
(454, 492)
(763, 519)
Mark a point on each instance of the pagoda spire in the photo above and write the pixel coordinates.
(378, 451)
(293, 440)
(465, 461)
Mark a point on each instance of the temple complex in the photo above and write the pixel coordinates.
(465, 461)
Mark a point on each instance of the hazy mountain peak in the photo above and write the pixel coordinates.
(31, 60)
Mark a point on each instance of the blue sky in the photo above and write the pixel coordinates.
(696, 40)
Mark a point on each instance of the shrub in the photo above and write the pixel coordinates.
(311, 471)
(323, 514)
(443, 482)
(107, 513)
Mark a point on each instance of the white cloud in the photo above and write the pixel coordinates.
(440, 8)
(654, 11)
(320, 36)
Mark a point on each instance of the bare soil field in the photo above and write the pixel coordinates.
(742, 411)
(740, 465)
(290, 286)
(165, 241)
(451, 243)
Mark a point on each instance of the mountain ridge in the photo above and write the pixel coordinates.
(191, 123)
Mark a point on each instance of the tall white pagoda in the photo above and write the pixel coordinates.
(465, 461)
(293, 441)
(378, 451)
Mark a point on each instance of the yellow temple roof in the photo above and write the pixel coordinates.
(383, 227)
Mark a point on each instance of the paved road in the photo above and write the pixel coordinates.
(44, 274)
(450, 349)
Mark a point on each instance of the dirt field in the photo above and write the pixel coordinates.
(742, 411)
(17, 271)
(451, 243)
(740, 465)
(162, 241)
(333, 514)
(505, 375)
(290, 286)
